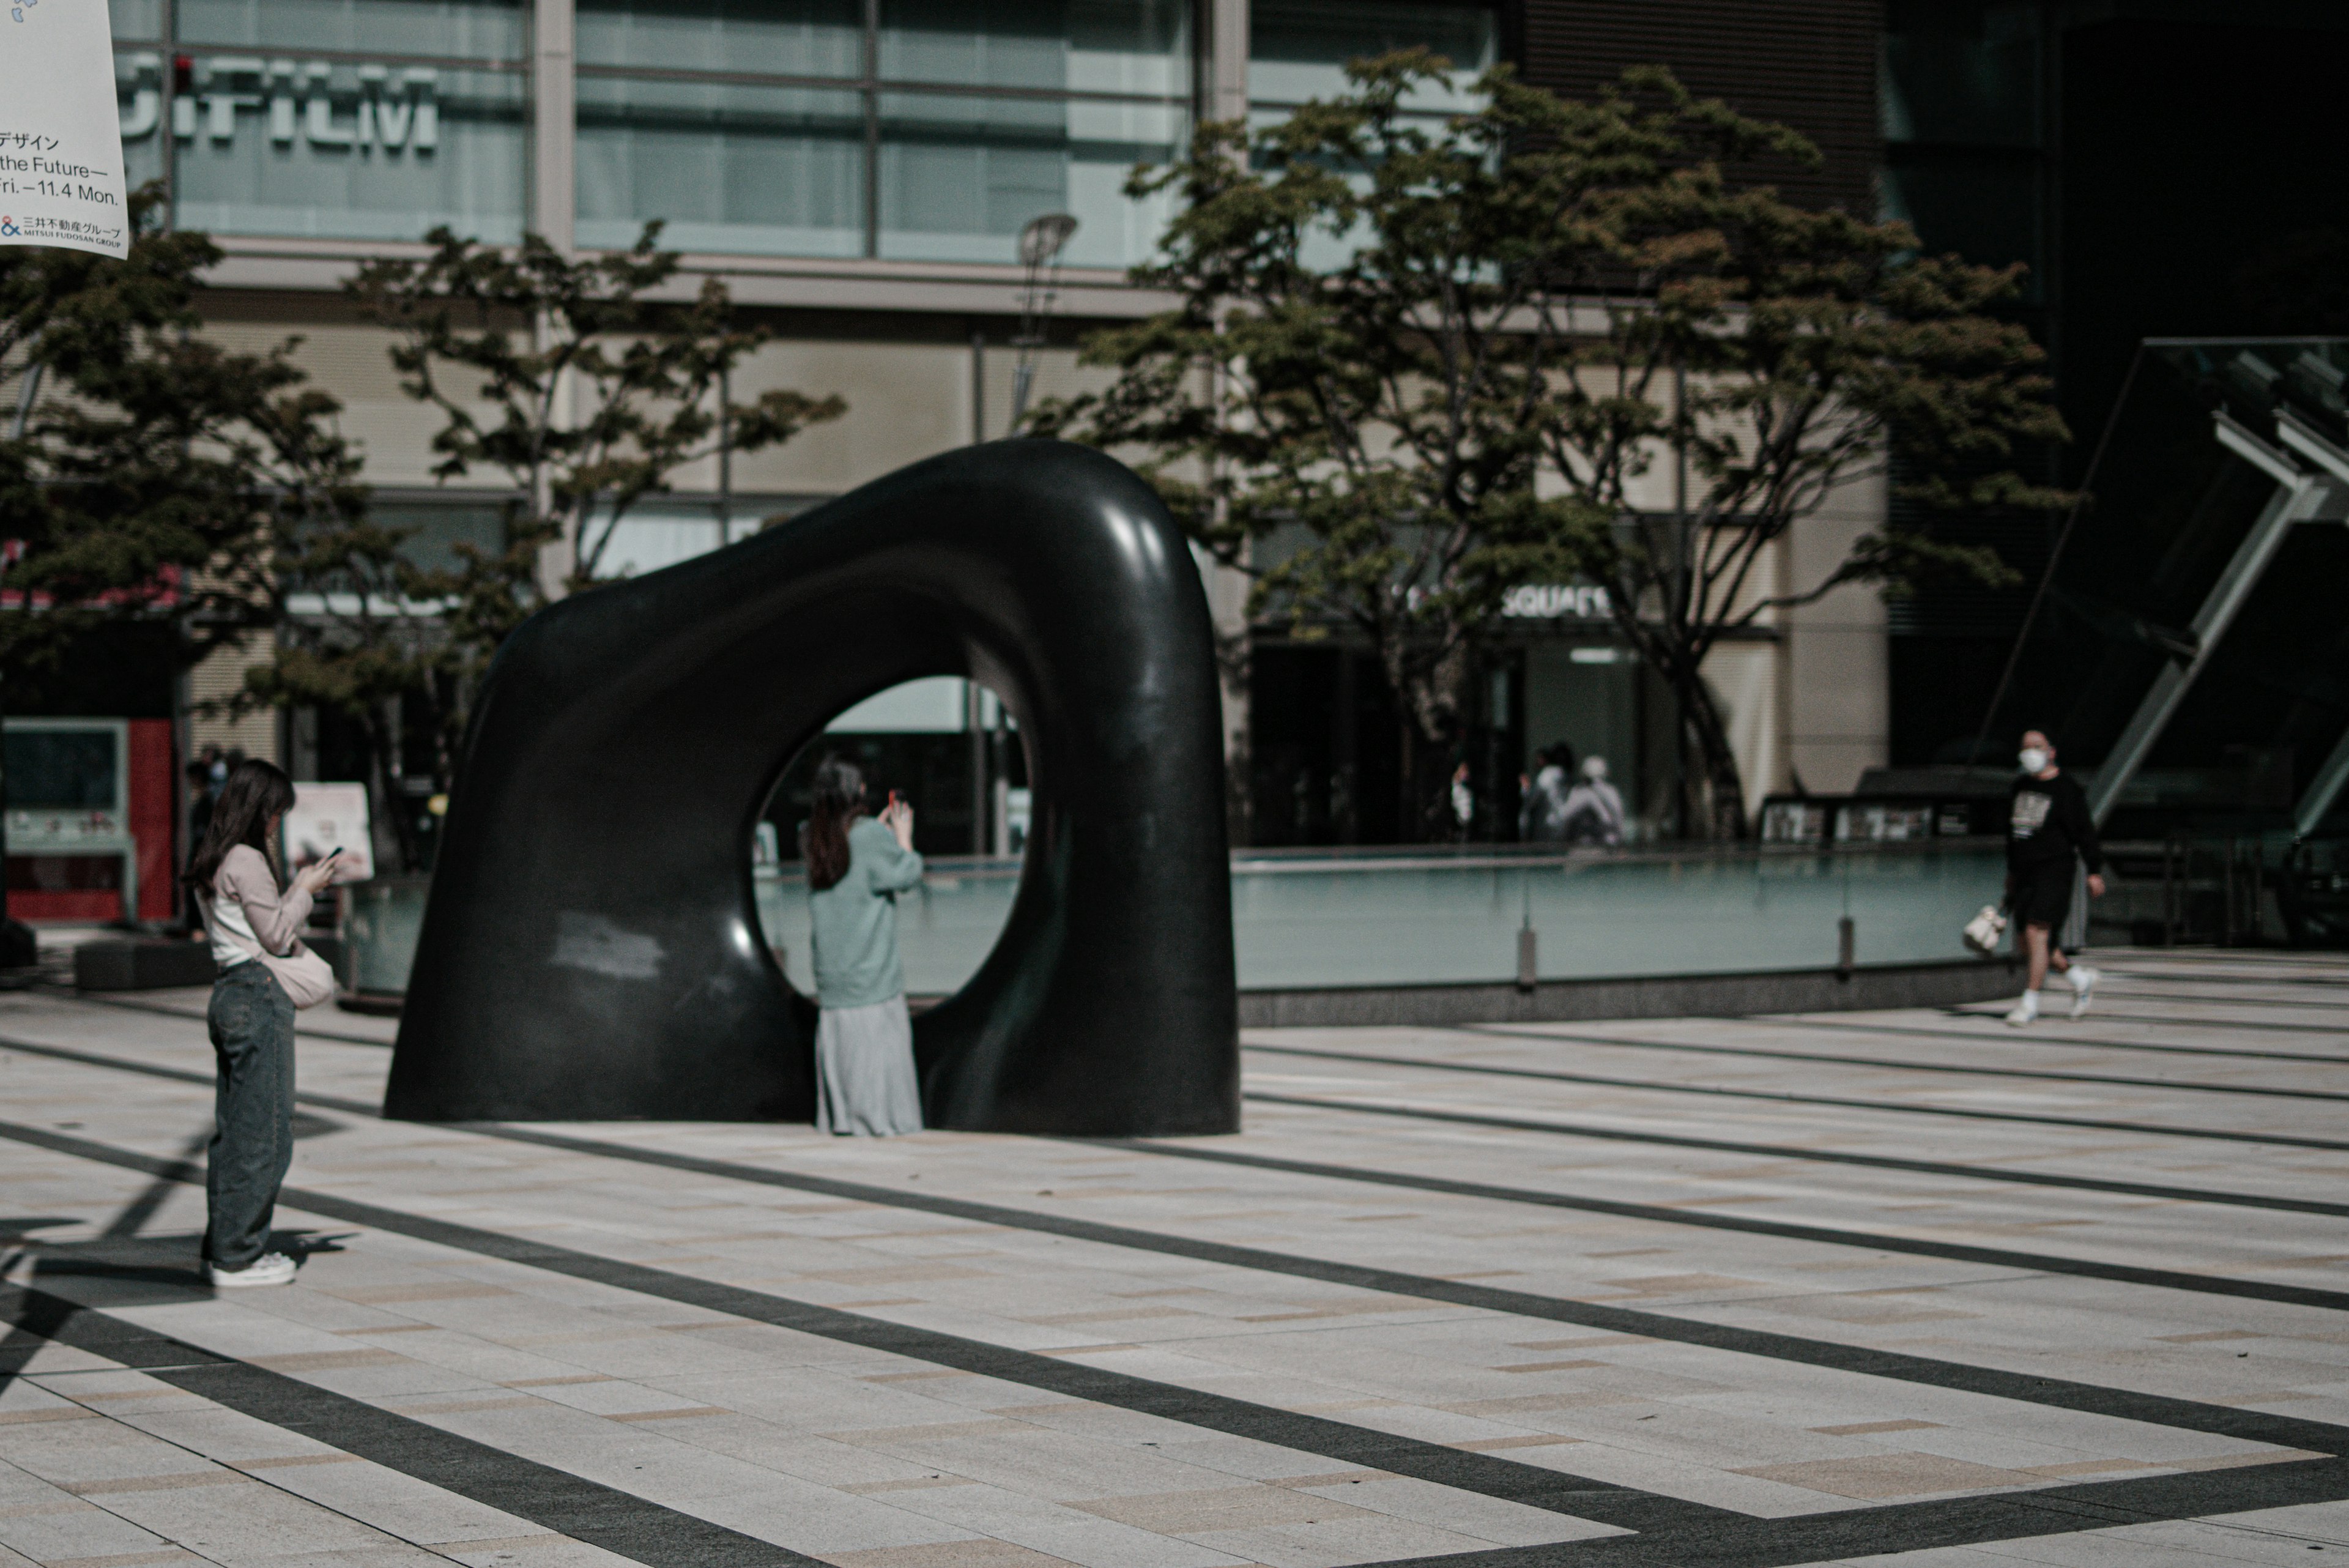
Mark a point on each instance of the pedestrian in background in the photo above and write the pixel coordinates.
(2049, 828)
(1463, 803)
(251, 916)
(1541, 814)
(856, 867)
(1594, 810)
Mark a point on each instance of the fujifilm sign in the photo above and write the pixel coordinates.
(324, 106)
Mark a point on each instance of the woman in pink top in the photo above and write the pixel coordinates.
(236, 873)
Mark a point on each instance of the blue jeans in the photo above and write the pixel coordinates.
(252, 1021)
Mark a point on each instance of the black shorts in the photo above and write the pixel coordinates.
(2043, 894)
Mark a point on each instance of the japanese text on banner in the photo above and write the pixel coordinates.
(60, 137)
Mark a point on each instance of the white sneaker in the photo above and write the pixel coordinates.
(2027, 1011)
(269, 1269)
(2084, 981)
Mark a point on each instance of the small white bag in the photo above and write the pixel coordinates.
(1983, 931)
(306, 978)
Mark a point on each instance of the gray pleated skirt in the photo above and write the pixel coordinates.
(864, 1081)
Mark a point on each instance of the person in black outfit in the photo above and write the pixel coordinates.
(2048, 825)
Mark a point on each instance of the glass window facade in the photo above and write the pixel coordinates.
(773, 171)
(1960, 96)
(1298, 50)
(780, 37)
(926, 130)
(934, 134)
(366, 119)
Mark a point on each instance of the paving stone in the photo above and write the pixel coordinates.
(868, 1458)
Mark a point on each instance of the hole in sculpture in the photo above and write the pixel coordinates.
(948, 746)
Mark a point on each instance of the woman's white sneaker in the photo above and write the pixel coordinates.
(2025, 1012)
(2084, 981)
(269, 1269)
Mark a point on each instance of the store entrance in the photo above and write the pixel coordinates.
(1586, 697)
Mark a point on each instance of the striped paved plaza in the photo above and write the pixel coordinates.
(1902, 1288)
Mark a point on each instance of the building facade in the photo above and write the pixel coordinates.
(858, 173)
(860, 170)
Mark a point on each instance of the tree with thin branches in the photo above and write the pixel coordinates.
(147, 473)
(1419, 360)
(581, 382)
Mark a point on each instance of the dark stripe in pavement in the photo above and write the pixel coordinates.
(1877, 1534)
(2142, 988)
(603, 1516)
(2149, 993)
(648, 1532)
(2021, 1037)
(2184, 1194)
(175, 1074)
(1783, 1097)
(1930, 1167)
(2033, 1263)
(158, 1011)
(2319, 973)
(1868, 1240)
(1764, 1053)
(1992, 1173)
(2220, 1420)
(2331, 1030)
(1557, 1491)
(1684, 1534)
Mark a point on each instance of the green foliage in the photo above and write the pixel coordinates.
(1416, 363)
(579, 384)
(580, 381)
(158, 473)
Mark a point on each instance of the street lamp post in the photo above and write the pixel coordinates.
(1040, 244)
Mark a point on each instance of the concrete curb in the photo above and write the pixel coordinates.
(1573, 1000)
(1644, 996)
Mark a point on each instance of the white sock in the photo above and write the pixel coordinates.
(2079, 977)
(2030, 1002)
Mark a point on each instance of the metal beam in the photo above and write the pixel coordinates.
(2323, 791)
(2313, 444)
(2236, 439)
(2291, 502)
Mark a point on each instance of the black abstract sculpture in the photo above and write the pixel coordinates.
(592, 950)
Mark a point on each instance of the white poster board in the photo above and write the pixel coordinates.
(60, 134)
(330, 817)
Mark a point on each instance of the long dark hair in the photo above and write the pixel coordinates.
(839, 800)
(255, 794)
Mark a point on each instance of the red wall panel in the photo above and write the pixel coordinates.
(154, 815)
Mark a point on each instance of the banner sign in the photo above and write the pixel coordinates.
(60, 142)
(329, 816)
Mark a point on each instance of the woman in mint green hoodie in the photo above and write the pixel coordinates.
(856, 867)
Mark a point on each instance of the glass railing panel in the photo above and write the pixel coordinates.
(1307, 922)
(1299, 922)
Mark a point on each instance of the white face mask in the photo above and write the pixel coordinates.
(2033, 760)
